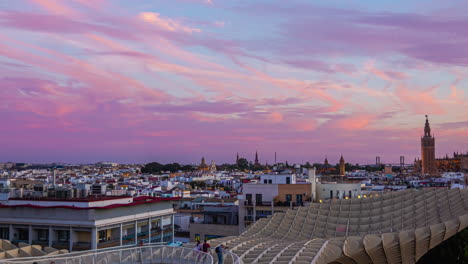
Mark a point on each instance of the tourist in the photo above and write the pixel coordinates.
(206, 246)
(219, 251)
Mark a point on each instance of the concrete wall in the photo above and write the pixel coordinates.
(294, 189)
(323, 189)
(268, 191)
(182, 220)
(214, 230)
(277, 178)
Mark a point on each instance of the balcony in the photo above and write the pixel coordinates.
(61, 244)
(109, 243)
(41, 242)
(82, 246)
(257, 203)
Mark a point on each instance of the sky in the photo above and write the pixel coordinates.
(171, 81)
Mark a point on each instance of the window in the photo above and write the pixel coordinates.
(42, 235)
(5, 233)
(331, 194)
(299, 199)
(101, 236)
(258, 198)
(265, 181)
(350, 194)
(270, 181)
(288, 197)
(64, 235)
(288, 180)
(23, 234)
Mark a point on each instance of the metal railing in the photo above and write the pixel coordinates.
(228, 258)
(134, 255)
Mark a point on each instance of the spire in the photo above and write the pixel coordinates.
(326, 160)
(237, 158)
(256, 157)
(341, 159)
(427, 128)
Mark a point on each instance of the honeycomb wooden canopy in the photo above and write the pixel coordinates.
(396, 227)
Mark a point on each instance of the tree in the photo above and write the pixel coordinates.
(153, 167)
(242, 164)
(156, 167)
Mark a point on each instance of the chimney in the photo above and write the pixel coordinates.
(313, 183)
(54, 175)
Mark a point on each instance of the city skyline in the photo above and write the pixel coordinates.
(88, 81)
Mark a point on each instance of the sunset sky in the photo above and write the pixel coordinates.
(171, 81)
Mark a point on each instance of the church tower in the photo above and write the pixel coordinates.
(256, 163)
(203, 166)
(342, 166)
(427, 150)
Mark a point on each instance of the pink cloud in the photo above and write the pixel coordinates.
(386, 75)
(420, 102)
(56, 7)
(165, 23)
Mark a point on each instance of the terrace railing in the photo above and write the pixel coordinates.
(147, 254)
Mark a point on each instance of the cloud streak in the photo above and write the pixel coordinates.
(137, 83)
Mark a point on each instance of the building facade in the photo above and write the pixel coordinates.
(87, 223)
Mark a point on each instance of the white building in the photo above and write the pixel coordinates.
(278, 178)
(330, 190)
(87, 223)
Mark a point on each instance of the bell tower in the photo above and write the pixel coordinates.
(427, 151)
(342, 166)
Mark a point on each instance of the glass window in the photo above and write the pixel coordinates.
(42, 235)
(128, 234)
(102, 236)
(5, 233)
(23, 234)
(258, 198)
(63, 235)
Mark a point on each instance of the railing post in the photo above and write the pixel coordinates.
(141, 255)
(151, 253)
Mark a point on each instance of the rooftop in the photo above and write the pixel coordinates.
(63, 203)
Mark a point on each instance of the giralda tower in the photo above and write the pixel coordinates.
(427, 150)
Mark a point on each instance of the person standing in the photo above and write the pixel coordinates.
(206, 246)
(198, 249)
(219, 251)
